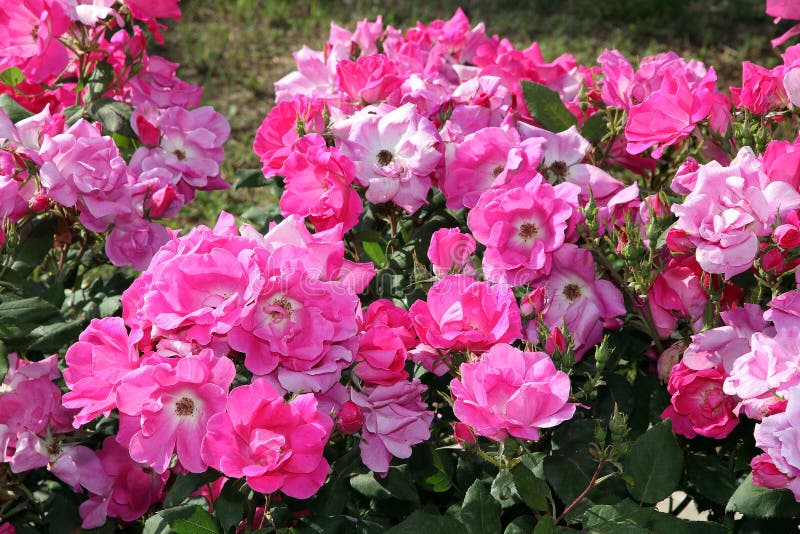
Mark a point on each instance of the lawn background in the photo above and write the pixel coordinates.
(237, 49)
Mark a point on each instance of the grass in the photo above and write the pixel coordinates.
(237, 49)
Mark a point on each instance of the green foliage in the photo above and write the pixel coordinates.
(756, 501)
(654, 465)
(547, 107)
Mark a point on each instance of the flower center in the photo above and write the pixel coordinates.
(558, 169)
(572, 291)
(184, 407)
(528, 230)
(35, 32)
(497, 170)
(281, 302)
(180, 154)
(385, 157)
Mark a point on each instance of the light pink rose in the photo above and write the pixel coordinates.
(274, 444)
(395, 418)
(510, 392)
(165, 407)
(156, 84)
(778, 436)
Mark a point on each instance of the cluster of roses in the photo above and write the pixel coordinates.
(63, 59)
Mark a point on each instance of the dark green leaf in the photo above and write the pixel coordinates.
(53, 337)
(99, 81)
(503, 489)
(547, 108)
(605, 518)
(420, 522)
(72, 114)
(375, 252)
(569, 475)
(479, 512)
(34, 246)
(30, 310)
(401, 485)
(249, 178)
(14, 111)
(532, 490)
(654, 464)
(3, 361)
(185, 485)
(368, 486)
(12, 76)
(230, 507)
(523, 524)
(544, 526)
(595, 128)
(189, 519)
(711, 477)
(113, 115)
(756, 501)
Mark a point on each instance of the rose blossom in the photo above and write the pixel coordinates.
(275, 444)
(450, 249)
(698, 404)
(463, 314)
(510, 392)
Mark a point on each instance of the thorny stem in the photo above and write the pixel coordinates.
(583, 494)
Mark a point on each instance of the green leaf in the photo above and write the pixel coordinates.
(605, 518)
(14, 111)
(479, 512)
(628, 518)
(368, 486)
(249, 178)
(654, 464)
(595, 128)
(756, 501)
(375, 252)
(73, 114)
(34, 246)
(544, 526)
(532, 490)
(12, 76)
(185, 485)
(230, 507)
(569, 474)
(99, 81)
(31, 310)
(547, 108)
(420, 522)
(523, 524)
(3, 361)
(113, 115)
(52, 337)
(711, 477)
(503, 489)
(189, 519)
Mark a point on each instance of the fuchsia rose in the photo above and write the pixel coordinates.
(381, 356)
(677, 293)
(463, 314)
(135, 488)
(778, 436)
(449, 250)
(395, 418)
(274, 444)
(522, 224)
(510, 392)
(286, 123)
(368, 79)
(29, 32)
(318, 182)
(762, 89)
(385, 312)
(395, 152)
(350, 419)
(573, 296)
(96, 365)
(698, 404)
(728, 209)
(781, 161)
(165, 406)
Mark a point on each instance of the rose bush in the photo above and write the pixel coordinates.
(504, 294)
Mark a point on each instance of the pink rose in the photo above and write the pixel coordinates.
(274, 444)
(450, 249)
(350, 419)
(369, 79)
(381, 356)
(510, 392)
(778, 435)
(698, 404)
(463, 314)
